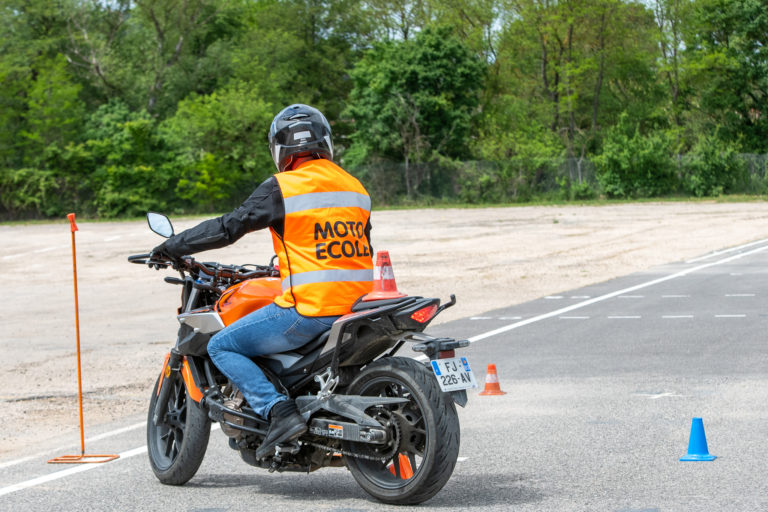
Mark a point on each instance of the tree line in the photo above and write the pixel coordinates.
(113, 108)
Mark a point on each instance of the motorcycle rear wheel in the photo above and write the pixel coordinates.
(177, 445)
(427, 433)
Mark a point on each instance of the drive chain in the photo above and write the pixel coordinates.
(346, 453)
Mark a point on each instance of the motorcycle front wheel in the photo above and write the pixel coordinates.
(424, 431)
(177, 444)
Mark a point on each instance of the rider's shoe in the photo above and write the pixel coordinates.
(286, 424)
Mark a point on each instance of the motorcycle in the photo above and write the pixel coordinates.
(390, 420)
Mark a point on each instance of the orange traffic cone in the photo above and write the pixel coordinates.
(384, 286)
(406, 470)
(492, 382)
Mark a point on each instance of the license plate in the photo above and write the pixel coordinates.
(453, 374)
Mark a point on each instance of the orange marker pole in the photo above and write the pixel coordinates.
(65, 459)
(73, 228)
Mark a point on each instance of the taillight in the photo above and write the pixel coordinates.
(425, 314)
(446, 354)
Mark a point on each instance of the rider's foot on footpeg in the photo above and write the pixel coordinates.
(286, 424)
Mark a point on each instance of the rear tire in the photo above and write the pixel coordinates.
(177, 445)
(427, 433)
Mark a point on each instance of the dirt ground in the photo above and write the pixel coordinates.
(489, 258)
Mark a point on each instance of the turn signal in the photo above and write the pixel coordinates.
(425, 314)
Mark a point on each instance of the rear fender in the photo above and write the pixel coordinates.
(459, 397)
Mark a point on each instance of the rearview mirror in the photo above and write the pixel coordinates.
(160, 224)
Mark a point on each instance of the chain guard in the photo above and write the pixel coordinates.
(366, 451)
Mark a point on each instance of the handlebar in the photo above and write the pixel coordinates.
(139, 258)
(230, 273)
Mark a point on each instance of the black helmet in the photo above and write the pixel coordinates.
(299, 131)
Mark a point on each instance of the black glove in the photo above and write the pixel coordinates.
(158, 255)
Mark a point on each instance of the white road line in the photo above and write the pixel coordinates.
(98, 437)
(730, 316)
(656, 396)
(481, 318)
(619, 317)
(726, 251)
(36, 251)
(739, 294)
(601, 298)
(554, 297)
(631, 296)
(510, 318)
(67, 472)
(79, 469)
(579, 296)
(662, 395)
(46, 249)
(118, 431)
(677, 316)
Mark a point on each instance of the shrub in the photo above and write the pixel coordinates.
(133, 173)
(575, 191)
(713, 167)
(29, 191)
(635, 165)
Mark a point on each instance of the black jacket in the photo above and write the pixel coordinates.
(263, 209)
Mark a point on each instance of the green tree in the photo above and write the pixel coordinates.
(54, 113)
(415, 100)
(727, 48)
(297, 51)
(220, 142)
(31, 37)
(131, 169)
(579, 64)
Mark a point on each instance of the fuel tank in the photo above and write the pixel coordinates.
(243, 298)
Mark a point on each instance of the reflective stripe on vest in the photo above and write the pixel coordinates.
(327, 276)
(325, 257)
(326, 200)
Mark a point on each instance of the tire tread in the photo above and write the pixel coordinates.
(446, 426)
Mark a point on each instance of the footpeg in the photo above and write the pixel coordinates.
(287, 449)
(281, 450)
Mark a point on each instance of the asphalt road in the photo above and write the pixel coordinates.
(602, 383)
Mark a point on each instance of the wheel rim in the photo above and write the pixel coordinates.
(168, 436)
(405, 461)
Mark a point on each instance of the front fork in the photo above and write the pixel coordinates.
(175, 364)
(172, 364)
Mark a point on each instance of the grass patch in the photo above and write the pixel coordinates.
(439, 204)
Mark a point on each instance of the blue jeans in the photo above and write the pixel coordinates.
(269, 330)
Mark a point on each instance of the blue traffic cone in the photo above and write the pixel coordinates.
(697, 444)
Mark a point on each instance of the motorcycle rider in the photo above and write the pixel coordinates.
(319, 217)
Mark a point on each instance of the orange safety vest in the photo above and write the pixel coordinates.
(325, 258)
